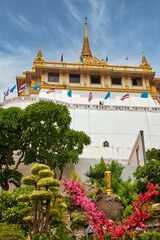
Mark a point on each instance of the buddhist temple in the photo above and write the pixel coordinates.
(117, 106)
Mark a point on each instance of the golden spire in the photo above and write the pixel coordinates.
(144, 61)
(39, 57)
(86, 52)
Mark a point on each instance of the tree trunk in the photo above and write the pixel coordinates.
(47, 215)
(5, 185)
(35, 230)
(19, 161)
(61, 173)
(41, 223)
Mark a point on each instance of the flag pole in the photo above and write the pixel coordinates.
(110, 101)
(148, 101)
(129, 101)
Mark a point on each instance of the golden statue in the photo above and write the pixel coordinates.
(107, 176)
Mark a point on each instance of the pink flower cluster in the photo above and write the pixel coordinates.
(98, 220)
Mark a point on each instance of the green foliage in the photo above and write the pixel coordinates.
(150, 235)
(46, 201)
(108, 236)
(11, 141)
(125, 189)
(43, 236)
(6, 202)
(75, 176)
(36, 168)
(46, 181)
(127, 192)
(78, 220)
(12, 211)
(147, 173)
(40, 195)
(96, 173)
(61, 233)
(48, 136)
(128, 211)
(45, 173)
(153, 154)
(39, 133)
(11, 232)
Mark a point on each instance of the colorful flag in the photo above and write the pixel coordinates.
(52, 89)
(13, 88)
(7, 93)
(107, 95)
(81, 59)
(22, 88)
(69, 93)
(62, 58)
(106, 58)
(90, 97)
(144, 95)
(36, 87)
(124, 96)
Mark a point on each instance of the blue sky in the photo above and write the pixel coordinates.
(117, 29)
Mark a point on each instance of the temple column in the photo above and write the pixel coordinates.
(106, 81)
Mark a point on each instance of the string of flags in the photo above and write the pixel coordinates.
(90, 97)
(69, 92)
(124, 96)
(36, 87)
(22, 88)
(52, 89)
(12, 89)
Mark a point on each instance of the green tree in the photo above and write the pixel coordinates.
(49, 138)
(40, 133)
(150, 172)
(153, 154)
(11, 211)
(46, 199)
(11, 144)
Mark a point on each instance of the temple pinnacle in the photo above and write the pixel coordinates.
(86, 52)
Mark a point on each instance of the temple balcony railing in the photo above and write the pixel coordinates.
(95, 66)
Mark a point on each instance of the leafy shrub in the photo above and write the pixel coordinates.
(11, 232)
(150, 235)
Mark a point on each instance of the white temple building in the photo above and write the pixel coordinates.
(119, 129)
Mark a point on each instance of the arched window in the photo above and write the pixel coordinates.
(105, 144)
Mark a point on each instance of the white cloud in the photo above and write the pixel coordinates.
(22, 22)
(73, 11)
(13, 65)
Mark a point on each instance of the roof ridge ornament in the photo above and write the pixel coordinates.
(39, 56)
(144, 61)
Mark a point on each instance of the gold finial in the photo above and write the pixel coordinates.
(39, 56)
(108, 176)
(144, 61)
(39, 53)
(86, 52)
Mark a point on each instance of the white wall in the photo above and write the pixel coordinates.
(119, 127)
